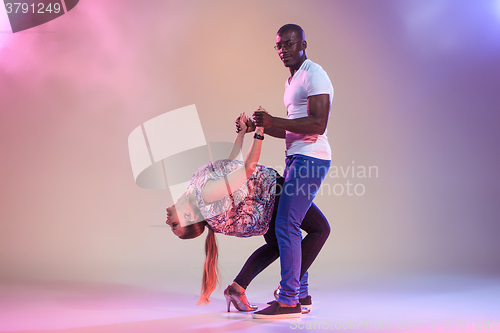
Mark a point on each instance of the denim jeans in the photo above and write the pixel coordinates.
(303, 177)
(318, 230)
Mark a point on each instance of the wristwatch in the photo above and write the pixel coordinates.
(258, 136)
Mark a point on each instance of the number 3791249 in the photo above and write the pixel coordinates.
(39, 8)
(473, 324)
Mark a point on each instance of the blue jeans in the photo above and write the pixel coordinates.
(303, 177)
(318, 230)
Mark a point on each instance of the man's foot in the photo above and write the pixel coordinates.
(305, 303)
(276, 311)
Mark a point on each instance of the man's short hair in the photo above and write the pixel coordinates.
(292, 27)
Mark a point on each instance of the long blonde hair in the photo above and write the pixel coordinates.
(210, 278)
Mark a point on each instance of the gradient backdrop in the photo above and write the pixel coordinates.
(416, 96)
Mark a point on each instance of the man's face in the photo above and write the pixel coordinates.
(291, 48)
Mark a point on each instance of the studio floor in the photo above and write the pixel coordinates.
(416, 304)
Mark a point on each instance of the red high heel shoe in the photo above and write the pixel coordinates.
(239, 300)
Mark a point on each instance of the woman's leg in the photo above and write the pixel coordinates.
(317, 228)
(261, 258)
(256, 263)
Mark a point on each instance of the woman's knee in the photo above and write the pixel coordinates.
(271, 239)
(326, 231)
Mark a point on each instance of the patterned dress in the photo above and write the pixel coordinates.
(247, 211)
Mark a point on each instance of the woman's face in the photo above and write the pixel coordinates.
(173, 221)
(181, 213)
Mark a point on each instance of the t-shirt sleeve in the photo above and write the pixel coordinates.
(318, 83)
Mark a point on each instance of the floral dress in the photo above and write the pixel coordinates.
(245, 212)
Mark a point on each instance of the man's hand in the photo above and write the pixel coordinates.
(263, 119)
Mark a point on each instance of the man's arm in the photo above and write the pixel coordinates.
(275, 132)
(318, 108)
(250, 127)
(272, 131)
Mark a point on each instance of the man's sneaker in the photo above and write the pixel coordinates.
(275, 311)
(306, 304)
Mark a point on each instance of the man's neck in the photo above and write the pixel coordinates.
(295, 68)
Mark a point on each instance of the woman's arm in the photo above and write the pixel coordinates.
(238, 141)
(217, 189)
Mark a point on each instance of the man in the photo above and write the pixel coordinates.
(308, 97)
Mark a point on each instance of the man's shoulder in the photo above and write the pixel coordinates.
(315, 75)
(312, 67)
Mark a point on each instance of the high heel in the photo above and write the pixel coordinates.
(239, 300)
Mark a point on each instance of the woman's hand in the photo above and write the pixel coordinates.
(241, 123)
(249, 124)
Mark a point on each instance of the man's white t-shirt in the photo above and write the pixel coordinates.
(308, 81)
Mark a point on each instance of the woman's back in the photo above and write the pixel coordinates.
(247, 210)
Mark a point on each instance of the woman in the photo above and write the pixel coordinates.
(240, 199)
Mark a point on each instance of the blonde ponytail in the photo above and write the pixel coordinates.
(211, 269)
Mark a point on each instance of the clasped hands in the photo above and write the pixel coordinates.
(261, 118)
